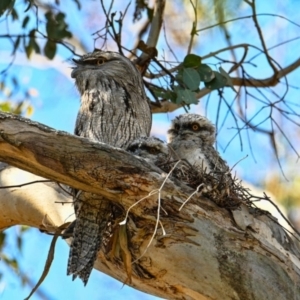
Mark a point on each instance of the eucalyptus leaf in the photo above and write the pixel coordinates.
(14, 14)
(192, 61)
(191, 79)
(56, 26)
(165, 94)
(35, 45)
(50, 49)
(218, 82)
(25, 21)
(179, 75)
(226, 75)
(2, 239)
(28, 49)
(6, 5)
(185, 96)
(206, 73)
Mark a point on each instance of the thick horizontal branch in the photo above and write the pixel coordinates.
(203, 255)
(71, 160)
(26, 199)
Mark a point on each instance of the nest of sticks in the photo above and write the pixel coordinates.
(220, 187)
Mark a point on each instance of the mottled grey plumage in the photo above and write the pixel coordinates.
(152, 149)
(114, 107)
(114, 110)
(192, 136)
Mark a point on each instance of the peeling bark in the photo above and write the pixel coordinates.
(205, 254)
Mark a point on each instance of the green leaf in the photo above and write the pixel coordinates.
(6, 5)
(159, 92)
(24, 228)
(185, 96)
(32, 33)
(179, 76)
(218, 82)
(228, 78)
(50, 49)
(19, 243)
(18, 109)
(6, 107)
(56, 26)
(206, 73)
(50, 25)
(32, 45)
(165, 94)
(28, 50)
(25, 21)
(35, 45)
(29, 111)
(192, 61)
(14, 14)
(191, 79)
(60, 17)
(11, 262)
(2, 239)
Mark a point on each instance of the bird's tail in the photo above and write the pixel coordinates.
(93, 213)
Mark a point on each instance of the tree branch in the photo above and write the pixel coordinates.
(28, 205)
(203, 255)
(261, 37)
(167, 106)
(52, 155)
(155, 26)
(172, 70)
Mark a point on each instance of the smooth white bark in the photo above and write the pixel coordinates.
(207, 252)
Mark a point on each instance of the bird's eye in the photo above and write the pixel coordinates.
(153, 151)
(133, 148)
(176, 127)
(149, 149)
(100, 61)
(195, 127)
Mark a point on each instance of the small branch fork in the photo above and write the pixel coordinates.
(154, 192)
(261, 37)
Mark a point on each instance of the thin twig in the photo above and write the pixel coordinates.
(24, 184)
(195, 192)
(193, 31)
(66, 191)
(211, 54)
(282, 215)
(261, 37)
(158, 191)
(149, 195)
(248, 17)
(237, 163)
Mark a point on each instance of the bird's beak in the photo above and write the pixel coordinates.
(77, 61)
(73, 73)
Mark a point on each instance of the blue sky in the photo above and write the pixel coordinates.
(56, 101)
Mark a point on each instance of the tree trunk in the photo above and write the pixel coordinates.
(198, 253)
